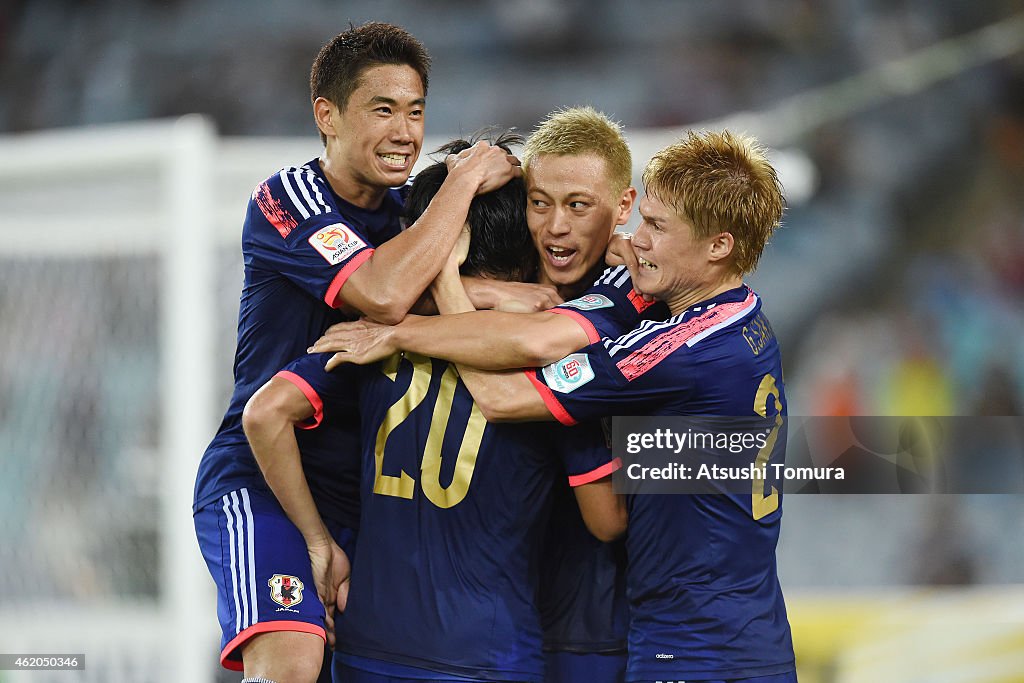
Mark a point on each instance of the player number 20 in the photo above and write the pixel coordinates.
(403, 486)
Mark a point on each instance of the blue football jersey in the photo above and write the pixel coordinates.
(453, 515)
(611, 306)
(300, 243)
(702, 583)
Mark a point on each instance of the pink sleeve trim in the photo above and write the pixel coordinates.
(559, 412)
(588, 327)
(593, 475)
(331, 297)
(310, 394)
(231, 655)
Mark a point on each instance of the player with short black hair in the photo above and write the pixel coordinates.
(343, 60)
(320, 242)
(496, 253)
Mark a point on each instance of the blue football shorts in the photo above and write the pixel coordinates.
(259, 561)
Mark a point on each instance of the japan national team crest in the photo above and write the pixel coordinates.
(336, 243)
(569, 374)
(590, 302)
(285, 590)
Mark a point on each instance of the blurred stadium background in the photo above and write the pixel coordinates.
(896, 286)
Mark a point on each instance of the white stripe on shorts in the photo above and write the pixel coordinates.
(250, 539)
(243, 568)
(234, 564)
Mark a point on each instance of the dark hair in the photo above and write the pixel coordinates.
(500, 246)
(342, 61)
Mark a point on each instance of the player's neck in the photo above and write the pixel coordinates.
(684, 300)
(351, 189)
(572, 290)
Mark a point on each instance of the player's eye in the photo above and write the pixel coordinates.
(538, 203)
(416, 113)
(578, 205)
(383, 110)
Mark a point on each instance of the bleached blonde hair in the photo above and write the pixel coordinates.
(720, 182)
(583, 130)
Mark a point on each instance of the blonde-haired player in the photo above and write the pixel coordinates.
(579, 170)
(705, 600)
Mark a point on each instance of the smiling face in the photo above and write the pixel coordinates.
(374, 141)
(572, 212)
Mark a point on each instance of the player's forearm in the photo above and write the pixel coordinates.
(392, 280)
(506, 396)
(603, 511)
(269, 423)
(281, 465)
(492, 340)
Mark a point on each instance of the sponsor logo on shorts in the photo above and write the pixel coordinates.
(336, 243)
(590, 302)
(569, 374)
(285, 590)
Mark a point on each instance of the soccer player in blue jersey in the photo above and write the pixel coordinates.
(319, 241)
(453, 509)
(702, 583)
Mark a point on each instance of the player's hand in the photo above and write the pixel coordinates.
(620, 252)
(515, 297)
(331, 574)
(360, 342)
(489, 165)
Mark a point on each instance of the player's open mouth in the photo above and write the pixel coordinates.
(397, 161)
(560, 256)
(646, 264)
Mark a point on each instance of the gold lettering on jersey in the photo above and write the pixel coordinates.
(402, 486)
(465, 461)
(758, 332)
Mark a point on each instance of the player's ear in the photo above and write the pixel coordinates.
(625, 208)
(720, 246)
(325, 114)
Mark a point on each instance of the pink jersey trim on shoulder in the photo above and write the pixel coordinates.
(588, 327)
(556, 408)
(331, 298)
(231, 655)
(310, 394)
(595, 474)
(688, 333)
